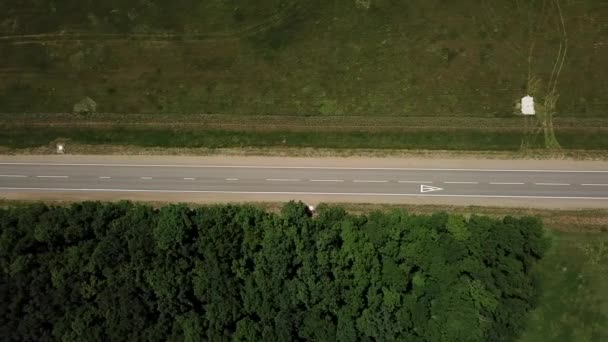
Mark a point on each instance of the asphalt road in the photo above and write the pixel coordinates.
(319, 180)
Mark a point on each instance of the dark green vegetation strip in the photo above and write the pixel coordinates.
(96, 271)
(151, 137)
(18, 137)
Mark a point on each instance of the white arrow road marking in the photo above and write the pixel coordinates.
(428, 188)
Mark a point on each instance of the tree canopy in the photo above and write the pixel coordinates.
(122, 271)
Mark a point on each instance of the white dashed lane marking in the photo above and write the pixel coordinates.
(337, 181)
(370, 181)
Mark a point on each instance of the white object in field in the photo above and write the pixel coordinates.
(527, 105)
(60, 148)
(311, 208)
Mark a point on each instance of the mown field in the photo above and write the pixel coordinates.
(573, 305)
(360, 61)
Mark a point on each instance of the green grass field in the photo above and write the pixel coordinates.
(349, 59)
(574, 301)
(414, 58)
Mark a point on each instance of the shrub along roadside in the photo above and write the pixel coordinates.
(130, 272)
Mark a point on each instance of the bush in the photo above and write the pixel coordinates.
(85, 106)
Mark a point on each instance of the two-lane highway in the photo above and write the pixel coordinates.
(166, 178)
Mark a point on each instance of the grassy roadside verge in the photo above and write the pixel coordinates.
(566, 221)
(583, 221)
(297, 122)
(23, 136)
(27, 137)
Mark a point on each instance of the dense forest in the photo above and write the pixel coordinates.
(129, 272)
